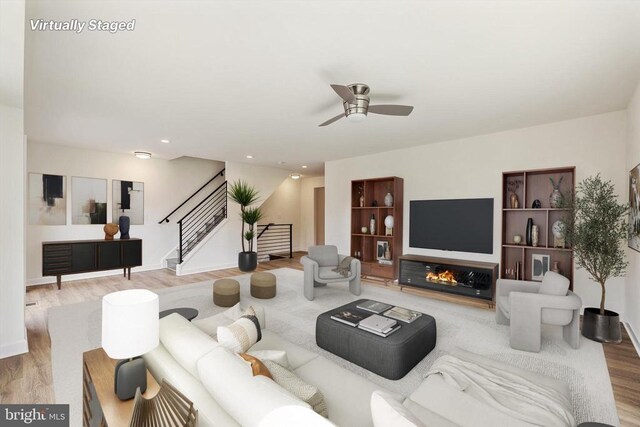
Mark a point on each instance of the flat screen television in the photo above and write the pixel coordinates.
(464, 225)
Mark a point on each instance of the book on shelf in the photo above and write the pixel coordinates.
(373, 306)
(381, 334)
(350, 317)
(385, 262)
(378, 323)
(403, 314)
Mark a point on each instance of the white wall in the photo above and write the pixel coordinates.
(221, 249)
(632, 296)
(307, 211)
(472, 167)
(13, 335)
(283, 207)
(167, 183)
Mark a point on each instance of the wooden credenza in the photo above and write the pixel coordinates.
(83, 256)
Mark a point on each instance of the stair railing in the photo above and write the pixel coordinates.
(202, 219)
(275, 241)
(166, 218)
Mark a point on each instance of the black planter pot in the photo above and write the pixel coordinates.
(601, 327)
(247, 261)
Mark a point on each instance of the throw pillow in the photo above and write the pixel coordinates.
(554, 284)
(386, 411)
(257, 367)
(297, 387)
(241, 334)
(278, 356)
(235, 312)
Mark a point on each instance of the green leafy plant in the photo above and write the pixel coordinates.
(595, 227)
(245, 195)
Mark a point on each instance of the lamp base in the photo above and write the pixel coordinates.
(128, 376)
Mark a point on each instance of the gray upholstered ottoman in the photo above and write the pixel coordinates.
(226, 292)
(391, 357)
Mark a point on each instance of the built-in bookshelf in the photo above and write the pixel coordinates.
(367, 200)
(527, 187)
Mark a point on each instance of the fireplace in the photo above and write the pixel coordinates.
(468, 278)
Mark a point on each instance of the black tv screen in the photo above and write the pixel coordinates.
(464, 225)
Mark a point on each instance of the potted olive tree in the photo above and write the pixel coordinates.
(595, 228)
(246, 195)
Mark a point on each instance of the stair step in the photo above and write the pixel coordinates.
(172, 263)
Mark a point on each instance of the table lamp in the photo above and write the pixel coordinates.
(130, 328)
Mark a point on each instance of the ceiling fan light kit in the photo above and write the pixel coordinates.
(355, 101)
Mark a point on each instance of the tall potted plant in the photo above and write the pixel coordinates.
(595, 228)
(246, 195)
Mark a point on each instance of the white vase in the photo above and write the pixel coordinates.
(388, 200)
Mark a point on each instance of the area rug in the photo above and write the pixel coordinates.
(76, 328)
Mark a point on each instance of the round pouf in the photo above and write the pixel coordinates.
(226, 292)
(263, 285)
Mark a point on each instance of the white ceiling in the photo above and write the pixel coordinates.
(223, 79)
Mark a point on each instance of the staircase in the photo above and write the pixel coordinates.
(274, 241)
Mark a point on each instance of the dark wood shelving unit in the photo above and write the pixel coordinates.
(373, 192)
(535, 186)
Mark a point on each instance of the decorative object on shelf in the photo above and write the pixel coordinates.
(120, 311)
(512, 187)
(364, 230)
(556, 267)
(88, 200)
(361, 198)
(382, 247)
(128, 199)
(374, 204)
(596, 220)
(388, 200)
(528, 232)
(558, 234)
(517, 239)
(535, 235)
(47, 199)
(634, 209)
(246, 195)
(539, 266)
(510, 273)
(518, 270)
(388, 223)
(372, 224)
(387, 253)
(124, 222)
(110, 230)
(168, 407)
(536, 204)
(555, 198)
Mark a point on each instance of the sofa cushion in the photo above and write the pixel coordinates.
(246, 398)
(296, 386)
(185, 342)
(210, 324)
(325, 256)
(386, 411)
(294, 416)
(277, 356)
(296, 355)
(554, 284)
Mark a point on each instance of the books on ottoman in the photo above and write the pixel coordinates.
(351, 317)
(378, 323)
(382, 334)
(374, 306)
(403, 314)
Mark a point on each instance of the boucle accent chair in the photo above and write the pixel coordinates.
(526, 305)
(318, 270)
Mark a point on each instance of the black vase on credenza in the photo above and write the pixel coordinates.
(123, 223)
(529, 232)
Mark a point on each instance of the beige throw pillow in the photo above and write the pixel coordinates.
(300, 389)
(241, 334)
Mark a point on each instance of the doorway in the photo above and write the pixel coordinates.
(318, 215)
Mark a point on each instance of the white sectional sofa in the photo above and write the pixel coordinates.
(225, 393)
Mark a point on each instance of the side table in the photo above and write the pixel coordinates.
(187, 313)
(99, 401)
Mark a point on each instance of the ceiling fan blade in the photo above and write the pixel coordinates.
(391, 110)
(331, 120)
(344, 93)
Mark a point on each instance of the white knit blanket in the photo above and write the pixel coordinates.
(506, 392)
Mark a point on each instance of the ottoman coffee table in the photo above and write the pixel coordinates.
(391, 357)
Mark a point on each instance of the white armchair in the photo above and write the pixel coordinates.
(318, 270)
(525, 306)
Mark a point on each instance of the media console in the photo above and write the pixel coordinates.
(467, 278)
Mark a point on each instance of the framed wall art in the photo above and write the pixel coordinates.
(47, 199)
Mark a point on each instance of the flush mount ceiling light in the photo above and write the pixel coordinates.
(304, 166)
(295, 175)
(249, 156)
(142, 154)
(165, 141)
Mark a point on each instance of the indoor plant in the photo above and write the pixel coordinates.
(596, 227)
(246, 195)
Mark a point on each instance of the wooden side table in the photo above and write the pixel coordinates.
(98, 384)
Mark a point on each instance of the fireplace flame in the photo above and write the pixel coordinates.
(445, 277)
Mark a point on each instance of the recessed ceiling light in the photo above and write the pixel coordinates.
(304, 166)
(142, 154)
(249, 156)
(295, 175)
(165, 141)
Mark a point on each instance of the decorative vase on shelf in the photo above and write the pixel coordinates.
(556, 267)
(124, 222)
(388, 200)
(535, 235)
(555, 198)
(372, 225)
(110, 230)
(361, 201)
(513, 201)
(528, 233)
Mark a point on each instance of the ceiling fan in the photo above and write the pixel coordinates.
(355, 99)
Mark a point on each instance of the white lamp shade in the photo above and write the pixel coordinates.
(388, 221)
(130, 324)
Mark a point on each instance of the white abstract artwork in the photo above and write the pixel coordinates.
(128, 200)
(47, 199)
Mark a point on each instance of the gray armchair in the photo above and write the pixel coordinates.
(318, 270)
(525, 306)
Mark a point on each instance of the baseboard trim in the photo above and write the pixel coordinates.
(71, 277)
(15, 348)
(633, 337)
(185, 272)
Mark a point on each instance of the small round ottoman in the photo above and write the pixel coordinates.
(226, 292)
(263, 285)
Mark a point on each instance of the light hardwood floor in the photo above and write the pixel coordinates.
(27, 378)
